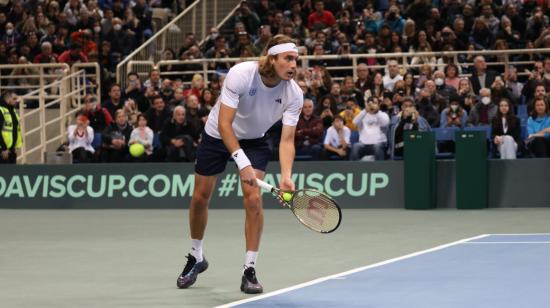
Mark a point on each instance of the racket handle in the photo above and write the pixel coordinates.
(264, 185)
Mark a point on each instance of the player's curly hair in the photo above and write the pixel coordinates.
(265, 66)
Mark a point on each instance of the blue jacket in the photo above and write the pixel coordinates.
(536, 125)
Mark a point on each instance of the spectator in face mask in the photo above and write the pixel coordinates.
(454, 115)
(483, 112)
(443, 91)
(11, 37)
(122, 41)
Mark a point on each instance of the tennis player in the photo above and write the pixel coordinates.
(254, 96)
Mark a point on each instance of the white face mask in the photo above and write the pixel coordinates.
(117, 27)
(97, 29)
(485, 100)
(454, 107)
(9, 31)
(439, 82)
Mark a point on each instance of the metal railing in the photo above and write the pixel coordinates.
(44, 128)
(23, 78)
(26, 78)
(197, 18)
(505, 58)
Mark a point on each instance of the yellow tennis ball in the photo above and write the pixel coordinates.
(137, 149)
(287, 196)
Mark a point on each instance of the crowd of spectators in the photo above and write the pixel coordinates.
(71, 31)
(343, 117)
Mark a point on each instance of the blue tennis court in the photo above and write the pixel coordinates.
(492, 270)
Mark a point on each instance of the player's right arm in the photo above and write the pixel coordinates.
(225, 127)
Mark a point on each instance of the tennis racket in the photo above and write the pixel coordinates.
(312, 208)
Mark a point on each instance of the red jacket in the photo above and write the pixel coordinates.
(326, 18)
(311, 130)
(65, 57)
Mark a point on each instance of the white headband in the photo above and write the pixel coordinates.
(277, 49)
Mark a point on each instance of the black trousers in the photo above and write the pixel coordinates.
(185, 153)
(109, 155)
(540, 147)
(80, 155)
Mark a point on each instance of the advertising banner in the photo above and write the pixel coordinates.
(154, 186)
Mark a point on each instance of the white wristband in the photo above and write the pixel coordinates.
(240, 158)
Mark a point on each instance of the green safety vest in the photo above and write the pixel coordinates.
(7, 129)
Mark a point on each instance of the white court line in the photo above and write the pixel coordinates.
(526, 234)
(359, 269)
(474, 243)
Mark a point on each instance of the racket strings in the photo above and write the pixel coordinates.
(316, 210)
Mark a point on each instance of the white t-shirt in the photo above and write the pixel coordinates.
(389, 82)
(332, 138)
(144, 137)
(372, 127)
(258, 107)
(84, 141)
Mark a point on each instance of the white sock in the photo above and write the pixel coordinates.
(196, 249)
(251, 257)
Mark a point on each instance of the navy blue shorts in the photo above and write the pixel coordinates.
(212, 155)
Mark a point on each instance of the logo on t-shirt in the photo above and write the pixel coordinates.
(279, 100)
(252, 92)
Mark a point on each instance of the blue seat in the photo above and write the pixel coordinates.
(523, 134)
(96, 143)
(481, 128)
(156, 141)
(354, 137)
(444, 135)
(522, 111)
(523, 121)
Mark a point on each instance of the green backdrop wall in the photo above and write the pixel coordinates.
(519, 183)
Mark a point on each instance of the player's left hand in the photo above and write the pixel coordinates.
(287, 184)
